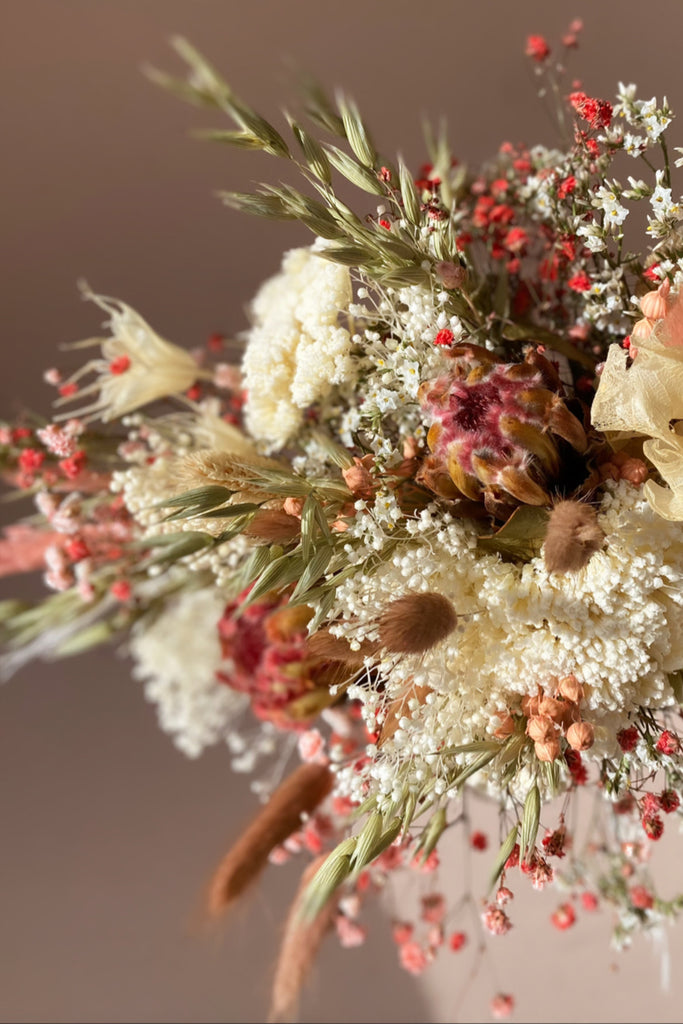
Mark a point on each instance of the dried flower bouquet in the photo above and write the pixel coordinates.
(427, 536)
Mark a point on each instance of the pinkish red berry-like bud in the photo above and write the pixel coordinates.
(564, 917)
(668, 743)
(641, 897)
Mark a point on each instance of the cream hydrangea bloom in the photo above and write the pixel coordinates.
(177, 656)
(646, 398)
(296, 349)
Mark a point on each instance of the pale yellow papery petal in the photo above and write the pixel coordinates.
(667, 455)
(642, 398)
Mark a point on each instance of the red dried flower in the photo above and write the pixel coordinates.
(537, 48)
(628, 739)
(564, 917)
(479, 841)
(668, 743)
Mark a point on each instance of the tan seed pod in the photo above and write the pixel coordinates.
(572, 537)
(415, 623)
(324, 647)
(452, 275)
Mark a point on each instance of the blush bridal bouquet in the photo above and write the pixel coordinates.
(416, 537)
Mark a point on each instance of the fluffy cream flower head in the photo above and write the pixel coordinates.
(616, 625)
(296, 349)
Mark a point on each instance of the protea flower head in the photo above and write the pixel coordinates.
(500, 433)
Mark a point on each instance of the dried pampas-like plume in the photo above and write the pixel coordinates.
(300, 944)
(572, 538)
(415, 623)
(300, 793)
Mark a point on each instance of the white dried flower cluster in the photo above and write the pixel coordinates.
(398, 355)
(177, 656)
(617, 625)
(297, 349)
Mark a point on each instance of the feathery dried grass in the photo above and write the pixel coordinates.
(224, 469)
(415, 623)
(325, 647)
(301, 792)
(572, 538)
(300, 944)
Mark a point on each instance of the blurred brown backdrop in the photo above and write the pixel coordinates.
(108, 832)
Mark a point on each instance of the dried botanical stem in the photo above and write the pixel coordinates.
(300, 944)
(300, 793)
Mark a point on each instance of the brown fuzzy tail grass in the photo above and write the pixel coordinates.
(300, 944)
(300, 793)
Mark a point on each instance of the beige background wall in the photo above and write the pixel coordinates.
(108, 833)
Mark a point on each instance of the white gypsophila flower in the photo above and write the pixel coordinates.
(613, 212)
(593, 237)
(394, 366)
(296, 350)
(137, 366)
(177, 656)
(661, 202)
(617, 625)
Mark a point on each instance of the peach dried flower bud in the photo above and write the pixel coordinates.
(293, 506)
(554, 709)
(541, 729)
(530, 705)
(570, 688)
(506, 727)
(653, 305)
(548, 751)
(580, 735)
(358, 479)
(640, 329)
